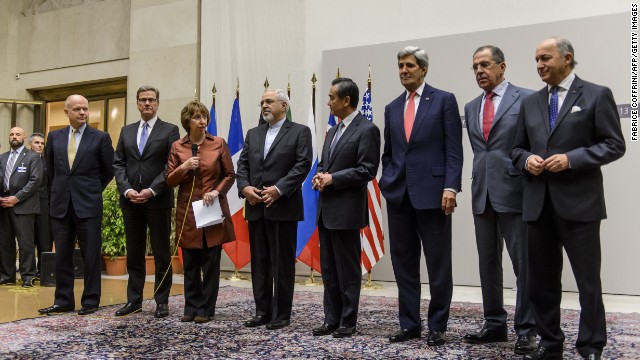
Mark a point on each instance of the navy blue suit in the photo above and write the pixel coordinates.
(414, 176)
(76, 208)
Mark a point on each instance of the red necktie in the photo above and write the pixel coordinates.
(409, 116)
(487, 115)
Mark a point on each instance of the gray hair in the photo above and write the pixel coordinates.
(496, 53)
(565, 47)
(421, 56)
(148, 88)
(35, 134)
(282, 96)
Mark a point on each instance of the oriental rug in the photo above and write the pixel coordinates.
(141, 336)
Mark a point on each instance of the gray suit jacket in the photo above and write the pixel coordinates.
(493, 172)
(25, 180)
(354, 162)
(588, 131)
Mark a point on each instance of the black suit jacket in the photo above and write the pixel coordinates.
(286, 166)
(83, 183)
(24, 180)
(138, 172)
(588, 131)
(354, 162)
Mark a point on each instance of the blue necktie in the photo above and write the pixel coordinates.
(553, 107)
(9, 169)
(143, 138)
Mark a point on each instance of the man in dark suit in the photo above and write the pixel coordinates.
(566, 132)
(140, 163)
(273, 164)
(496, 194)
(79, 159)
(20, 177)
(350, 159)
(421, 175)
(42, 223)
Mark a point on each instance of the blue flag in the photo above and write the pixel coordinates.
(213, 127)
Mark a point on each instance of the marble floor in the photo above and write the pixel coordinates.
(19, 303)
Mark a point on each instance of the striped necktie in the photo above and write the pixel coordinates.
(9, 168)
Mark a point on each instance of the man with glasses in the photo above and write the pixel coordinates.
(273, 164)
(496, 194)
(140, 163)
(20, 177)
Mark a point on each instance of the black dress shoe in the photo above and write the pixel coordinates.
(325, 329)
(7, 281)
(128, 309)
(56, 309)
(404, 335)
(86, 310)
(27, 282)
(486, 336)
(187, 318)
(525, 344)
(162, 310)
(436, 338)
(256, 321)
(277, 324)
(542, 353)
(344, 331)
(202, 319)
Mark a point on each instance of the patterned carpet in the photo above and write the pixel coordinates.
(143, 337)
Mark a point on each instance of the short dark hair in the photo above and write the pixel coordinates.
(191, 109)
(496, 53)
(148, 88)
(346, 87)
(35, 134)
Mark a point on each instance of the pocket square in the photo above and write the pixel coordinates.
(575, 109)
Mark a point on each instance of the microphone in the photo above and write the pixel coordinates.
(194, 152)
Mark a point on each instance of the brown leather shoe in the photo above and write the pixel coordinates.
(201, 319)
(187, 318)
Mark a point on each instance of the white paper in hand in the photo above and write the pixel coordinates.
(207, 215)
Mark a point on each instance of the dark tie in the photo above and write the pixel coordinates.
(9, 169)
(336, 138)
(553, 107)
(143, 138)
(487, 115)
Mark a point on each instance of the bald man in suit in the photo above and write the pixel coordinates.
(566, 132)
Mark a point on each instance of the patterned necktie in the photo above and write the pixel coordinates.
(143, 138)
(336, 138)
(553, 107)
(9, 168)
(487, 115)
(409, 116)
(71, 148)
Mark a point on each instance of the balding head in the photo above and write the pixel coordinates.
(16, 137)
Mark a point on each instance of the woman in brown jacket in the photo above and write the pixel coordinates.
(206, 176)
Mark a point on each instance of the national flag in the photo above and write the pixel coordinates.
(238, 251)
(371, 237)
(212, 128)
(308, 245)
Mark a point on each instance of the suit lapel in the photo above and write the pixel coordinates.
(473, 121)
(283, 130)
(543, 106)
(85, 143)
(572, 95)
(262, 135)
(425, 102)
(157, 127)
(348, 132)
(19, 160)
(510, 97)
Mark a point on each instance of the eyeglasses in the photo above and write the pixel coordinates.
(482, 65)
(268, 102)
(147, 100)
(198, 117)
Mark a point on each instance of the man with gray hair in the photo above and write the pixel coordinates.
(496, 195)
(43, 237)
(421, 175)
(565, 133)
(273, 164)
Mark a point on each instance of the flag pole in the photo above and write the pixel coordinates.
(213, 95)
(312, 281)
(236, 274)
(369, 285)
